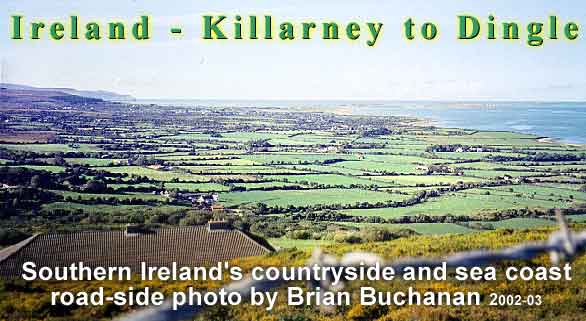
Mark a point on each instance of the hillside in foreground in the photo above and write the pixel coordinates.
(561, 300)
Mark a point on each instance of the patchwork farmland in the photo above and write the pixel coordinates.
(292, 176)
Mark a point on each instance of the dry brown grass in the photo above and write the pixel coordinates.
(37, 137)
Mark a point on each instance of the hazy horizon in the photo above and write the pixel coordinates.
(364, 100)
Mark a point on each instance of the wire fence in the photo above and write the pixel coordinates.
(562, 245)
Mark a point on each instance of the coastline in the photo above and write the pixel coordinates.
(548, 122)
(549, 140)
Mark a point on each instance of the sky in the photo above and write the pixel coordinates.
(187, 67)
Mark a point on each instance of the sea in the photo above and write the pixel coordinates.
(561, 121)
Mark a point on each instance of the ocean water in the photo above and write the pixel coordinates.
(564, 121)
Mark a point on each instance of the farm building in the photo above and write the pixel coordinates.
(198, 200)
(187, 246)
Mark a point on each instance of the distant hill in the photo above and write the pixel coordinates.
(98, 94)
(39, 98)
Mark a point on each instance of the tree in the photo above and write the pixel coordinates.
(260, 209)
(95, 186)
(11, 236)
(35, 181)
(59, 160)
(195, 218)
(141, 161)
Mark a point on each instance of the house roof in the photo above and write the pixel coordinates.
(187, 246)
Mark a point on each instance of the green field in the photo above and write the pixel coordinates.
(307, 197)
(197, 187)
(125, 196)
(420, 228)
(96, 162)
(264, 185)
(243, 169)
(431, 180)
(293, 158)
(523, 223)
(52, 148)
(577, 218)
(157, 175)
(327, 179)
(378, 167)
(471, 202)
(48, 168)
(112, 209)
(285, 243)
(275, 169)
